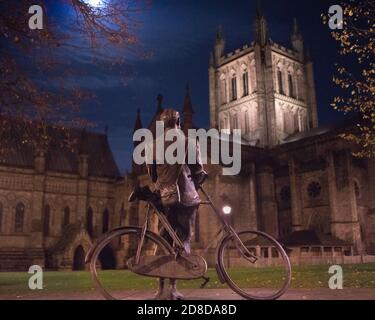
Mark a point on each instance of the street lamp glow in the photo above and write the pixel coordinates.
(227, 210)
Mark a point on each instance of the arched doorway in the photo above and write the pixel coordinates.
(107, 258)
(79, 259)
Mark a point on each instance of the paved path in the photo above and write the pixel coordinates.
(215, 294)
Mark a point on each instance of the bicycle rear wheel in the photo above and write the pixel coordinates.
(108, 263)
(267, 278)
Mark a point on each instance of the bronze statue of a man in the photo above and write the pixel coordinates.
(188, 177)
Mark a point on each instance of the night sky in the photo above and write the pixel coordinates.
(181, 34)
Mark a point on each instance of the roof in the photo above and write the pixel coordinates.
(138, 121)
(321, 130)
(312, 238)
(60, 157)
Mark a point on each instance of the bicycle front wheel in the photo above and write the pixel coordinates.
(266, 277)
(108, 263)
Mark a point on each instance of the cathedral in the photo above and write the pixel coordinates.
(299, 181)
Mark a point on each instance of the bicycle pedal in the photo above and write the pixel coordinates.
(206, 280)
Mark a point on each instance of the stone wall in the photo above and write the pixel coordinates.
(57, 191)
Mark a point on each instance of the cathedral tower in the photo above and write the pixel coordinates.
(263, 88)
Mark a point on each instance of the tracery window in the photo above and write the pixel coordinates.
(280, 81)
(314, 189)
(245, 83)
(234, 87)
(291, 86)
(19, 217)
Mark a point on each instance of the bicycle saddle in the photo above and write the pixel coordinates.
(142, 193)
(134, 194)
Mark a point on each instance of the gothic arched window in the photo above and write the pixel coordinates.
(245, 83)
(234, 87)
(296, 122)
(89, 222)
(19, 217)
(223, 90)
(235, 122)
(288, 121)
(105, 221)
(291, 86)
(1, 217)
(66, 218)
(247, 122)
(46, 220)
(280, 81)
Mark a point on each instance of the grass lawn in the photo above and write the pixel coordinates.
(355, 276)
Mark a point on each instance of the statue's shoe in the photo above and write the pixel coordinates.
(176, 295)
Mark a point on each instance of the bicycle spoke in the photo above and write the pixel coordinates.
(262, 273)
(126, 285)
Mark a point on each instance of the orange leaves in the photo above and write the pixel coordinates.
(357, 40)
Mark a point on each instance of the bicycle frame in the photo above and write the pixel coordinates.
(191, 262)
(228, 229)
(179, 247)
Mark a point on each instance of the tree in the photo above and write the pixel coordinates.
(27, 54)
(357, 79)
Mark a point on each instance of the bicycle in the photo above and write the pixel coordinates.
(150, 255)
